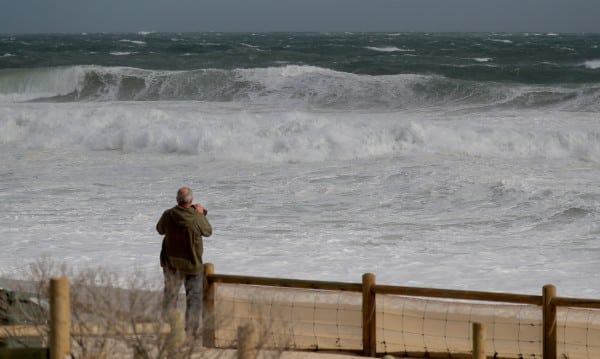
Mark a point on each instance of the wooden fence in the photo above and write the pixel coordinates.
(548, 303)
(368, 290)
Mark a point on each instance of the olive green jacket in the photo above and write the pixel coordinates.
(182, 246)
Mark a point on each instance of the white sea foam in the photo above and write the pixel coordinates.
(136, 42)
(482, 59)
(122, 53)
(409, 196)
(389, 49)
(220, 132)
(592, 64)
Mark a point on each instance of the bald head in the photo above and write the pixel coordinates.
(185, 196)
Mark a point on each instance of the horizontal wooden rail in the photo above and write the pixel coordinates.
(31, 331)
(459, 294)
(283, 282)
(576, 302)
(22, 331)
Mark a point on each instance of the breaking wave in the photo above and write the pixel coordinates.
(291, 85)
(263, 133)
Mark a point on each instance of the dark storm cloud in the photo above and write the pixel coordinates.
(299, 15)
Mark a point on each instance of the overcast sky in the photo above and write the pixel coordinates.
(41, 16)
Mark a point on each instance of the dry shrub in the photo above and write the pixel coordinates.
(111, 317)
(116, 317)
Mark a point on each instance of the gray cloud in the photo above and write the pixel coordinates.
(41, 16)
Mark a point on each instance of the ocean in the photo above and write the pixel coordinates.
(460, 161)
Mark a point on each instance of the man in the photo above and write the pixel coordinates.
(181, 256)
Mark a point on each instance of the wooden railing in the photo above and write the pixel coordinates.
(548, 302)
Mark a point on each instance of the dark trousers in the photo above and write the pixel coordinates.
(193, 297)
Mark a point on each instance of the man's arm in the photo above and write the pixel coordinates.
(160, 226)
(205, 227)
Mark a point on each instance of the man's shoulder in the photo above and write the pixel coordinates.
(168, 211)
(180, 212)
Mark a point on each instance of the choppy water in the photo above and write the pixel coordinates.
(443, 160)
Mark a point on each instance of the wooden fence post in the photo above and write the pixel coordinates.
(549, 322)
(247, 342)
(176, 335)
(208, 308)
(368, 309)
(60, 318)
(479, 337)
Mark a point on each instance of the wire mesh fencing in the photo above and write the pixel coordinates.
(290, 318)
(578, 333)
(412, 326)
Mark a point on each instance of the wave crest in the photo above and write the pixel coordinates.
(290, 86)
(226, 132)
